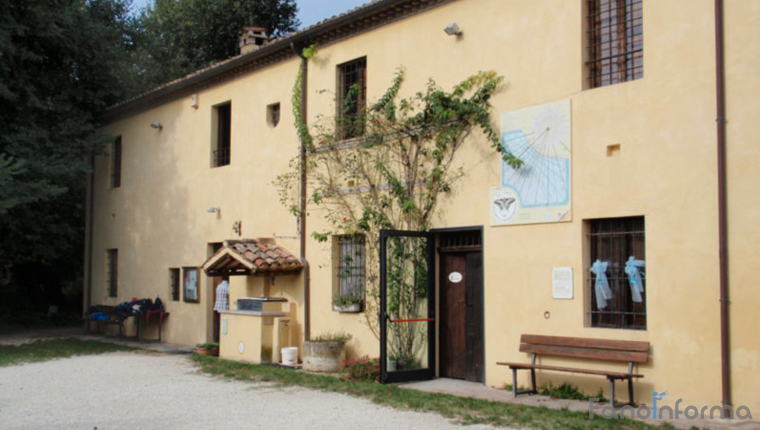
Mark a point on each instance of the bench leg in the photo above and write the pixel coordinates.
(514, 382)
(612, 392)
(630, 391)
(533, 380)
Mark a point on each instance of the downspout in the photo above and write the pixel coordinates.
(302, 208)
(720, 81)
(88, 235)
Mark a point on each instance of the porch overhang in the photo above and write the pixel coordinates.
(252, 257)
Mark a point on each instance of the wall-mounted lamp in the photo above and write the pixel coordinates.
(237, 227)
(157, 125)
(214, 210)
(452, 29)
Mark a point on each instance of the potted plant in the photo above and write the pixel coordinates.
(325, 353)
(208, 348)
(347, 303)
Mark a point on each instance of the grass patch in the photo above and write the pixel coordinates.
(50, 349)
(570, 391)
(465, 410)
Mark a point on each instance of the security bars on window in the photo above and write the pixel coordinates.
(615, 240)
(174, 284)
(351, 266)
(112, 262)
(352, 98)
(615, 41)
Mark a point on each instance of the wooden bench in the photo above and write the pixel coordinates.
(577, 347)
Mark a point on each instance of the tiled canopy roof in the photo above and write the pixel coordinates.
(261, 256)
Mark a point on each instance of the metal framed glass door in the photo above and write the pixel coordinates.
(407, 306)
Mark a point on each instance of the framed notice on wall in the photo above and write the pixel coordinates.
(562, 282)
(191, 284)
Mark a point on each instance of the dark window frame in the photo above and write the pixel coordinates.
(175, 279)
(221, 153)
(615, 41)
(614, 240)
(273, 115)
(351, 98)
(112, 272)
(351, 265)
(116, 163)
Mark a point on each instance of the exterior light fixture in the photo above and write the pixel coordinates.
(214, 210)
(452, 29)
(157, 125)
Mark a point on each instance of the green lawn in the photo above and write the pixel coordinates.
(49, 349)
(462, 409)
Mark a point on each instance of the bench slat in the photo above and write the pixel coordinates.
(580, 352)
(617, 375)
(622, 345)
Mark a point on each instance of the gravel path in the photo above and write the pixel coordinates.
(142, 391)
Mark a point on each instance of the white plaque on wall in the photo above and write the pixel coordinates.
(562, 282)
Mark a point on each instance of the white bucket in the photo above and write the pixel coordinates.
(289, 355)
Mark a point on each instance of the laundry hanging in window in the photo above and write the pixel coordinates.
(601, 285)
(633, 270)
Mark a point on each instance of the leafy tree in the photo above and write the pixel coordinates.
(177, 37)
(393, 176)
(61, 62)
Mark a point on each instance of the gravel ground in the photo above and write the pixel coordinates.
(150, 391)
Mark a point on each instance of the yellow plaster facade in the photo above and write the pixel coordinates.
(665, 170)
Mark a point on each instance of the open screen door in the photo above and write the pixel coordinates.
(407, 306)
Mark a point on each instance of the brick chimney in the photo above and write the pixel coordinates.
(252, 38)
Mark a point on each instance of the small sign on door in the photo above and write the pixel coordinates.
(455, 277)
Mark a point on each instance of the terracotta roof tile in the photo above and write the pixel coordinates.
(264, 254)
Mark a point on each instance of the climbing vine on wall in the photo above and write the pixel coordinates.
(395, 174)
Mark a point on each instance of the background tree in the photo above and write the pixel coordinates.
(177, 37)
(61, 62)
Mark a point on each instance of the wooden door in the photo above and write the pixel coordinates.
(461, 315)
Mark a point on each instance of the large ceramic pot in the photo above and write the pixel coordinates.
(323, 356)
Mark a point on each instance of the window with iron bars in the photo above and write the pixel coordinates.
(220, 155)
(351, 266)
(352, 98)
(112, 271)
(116, 163)
(615, 42)
(174, 284)
(617, 276)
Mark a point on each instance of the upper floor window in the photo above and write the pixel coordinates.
(112, 272)
(352, 98)
(222, 122)
(615, 42)
(273, 114)
(116, 163)
(617, 275)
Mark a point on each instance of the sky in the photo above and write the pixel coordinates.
(309, 11)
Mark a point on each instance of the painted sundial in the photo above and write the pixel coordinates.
(539, 191)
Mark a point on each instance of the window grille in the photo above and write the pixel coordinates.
(116, 163)
(615, 241)
(174, 284)
(615, 41)
(112, 263)
(221, 153)
(461, 239)
(352, 98)
(351, 265)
